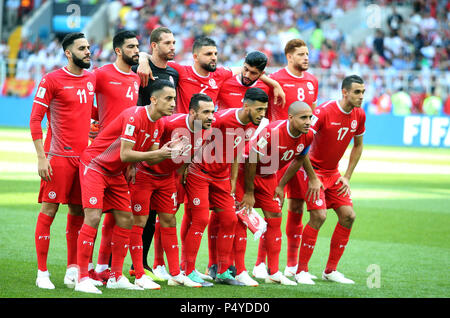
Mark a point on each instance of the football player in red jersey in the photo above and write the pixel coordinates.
(335, 124)
(280, 143)
(208, 181)
(232, 95)
(299, 85)
(157, 187)
(117, 89)
(204, 76)
(66, 96)
(132, 137)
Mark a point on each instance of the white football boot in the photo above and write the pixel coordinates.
(71, 277)
(161, 272)
(304, 278)
(245, 278)
(43, 280)
(182, 280)
(290, 271)
(260, 271)
(279, 278)
(337, 277)
(146, 282)
(122, 283)
(86, 286)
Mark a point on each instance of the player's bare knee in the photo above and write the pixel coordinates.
(167, 220)
(317, 218)
(49, 209)
(295, 205)
(75, 209)
(92, 217)
(140, 220)
(124, 219)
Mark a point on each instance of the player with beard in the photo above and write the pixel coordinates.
(162, 43)
(117, 89)
(204, 76)
(233, 90)
(231, 95)
(299, 85)
(66, 96)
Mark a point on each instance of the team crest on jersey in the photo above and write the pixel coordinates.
(131, 119)
(90, 86)
(317, 111)
(354, 124)
(52, 195)
(248, 133)
(300, 148)
(212, 83)
(196, 201)
(310, 86)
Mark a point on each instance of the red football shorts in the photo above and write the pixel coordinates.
(206, 192)
(329, 198)
(264, 190)
(64, 186)
(104, 192)
(153, 193)
(181, 190)
(296, 187)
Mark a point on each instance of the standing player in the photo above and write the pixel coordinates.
(155, 187)
(117, 89)
(204, 76)
(208, 181)
(280, 143)
(299, 85)
(231, 95)
(132, 137)
(335, 124)
(66, 96)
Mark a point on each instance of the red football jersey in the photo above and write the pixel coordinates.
(232, 91)
(67, 100)
(277, 147)
(190, 83)
(133, 124)
(304, 88)
(116, 91)
(225, 141)
(175, 126)
(334, 129)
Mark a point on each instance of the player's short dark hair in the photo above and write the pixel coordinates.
(256, 59)
(120, 37)
(349, 80)
(292, 45)
(201, 42)
(254, 94)
(70, 38)
(196, 99)
(155, 36)
(159, 85)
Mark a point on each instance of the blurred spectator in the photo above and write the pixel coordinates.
(394, 20)
(432, 104)
(401, 103)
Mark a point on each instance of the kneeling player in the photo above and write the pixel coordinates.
(132, 137)
(155, 187)
(280, 143)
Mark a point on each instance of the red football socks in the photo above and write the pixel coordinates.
(85, 245)
(294, 229)
(159, 251)
(136, 250)
(338, 243)
(119, 248)
(169, 242)
(73, 227)
(104, 252)
(213, 229)
(225, 238)
(42, 239)
(273, 244)
(240, 246)
(262, 252)
(309, 238)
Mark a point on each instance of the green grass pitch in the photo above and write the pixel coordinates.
(399, 246)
